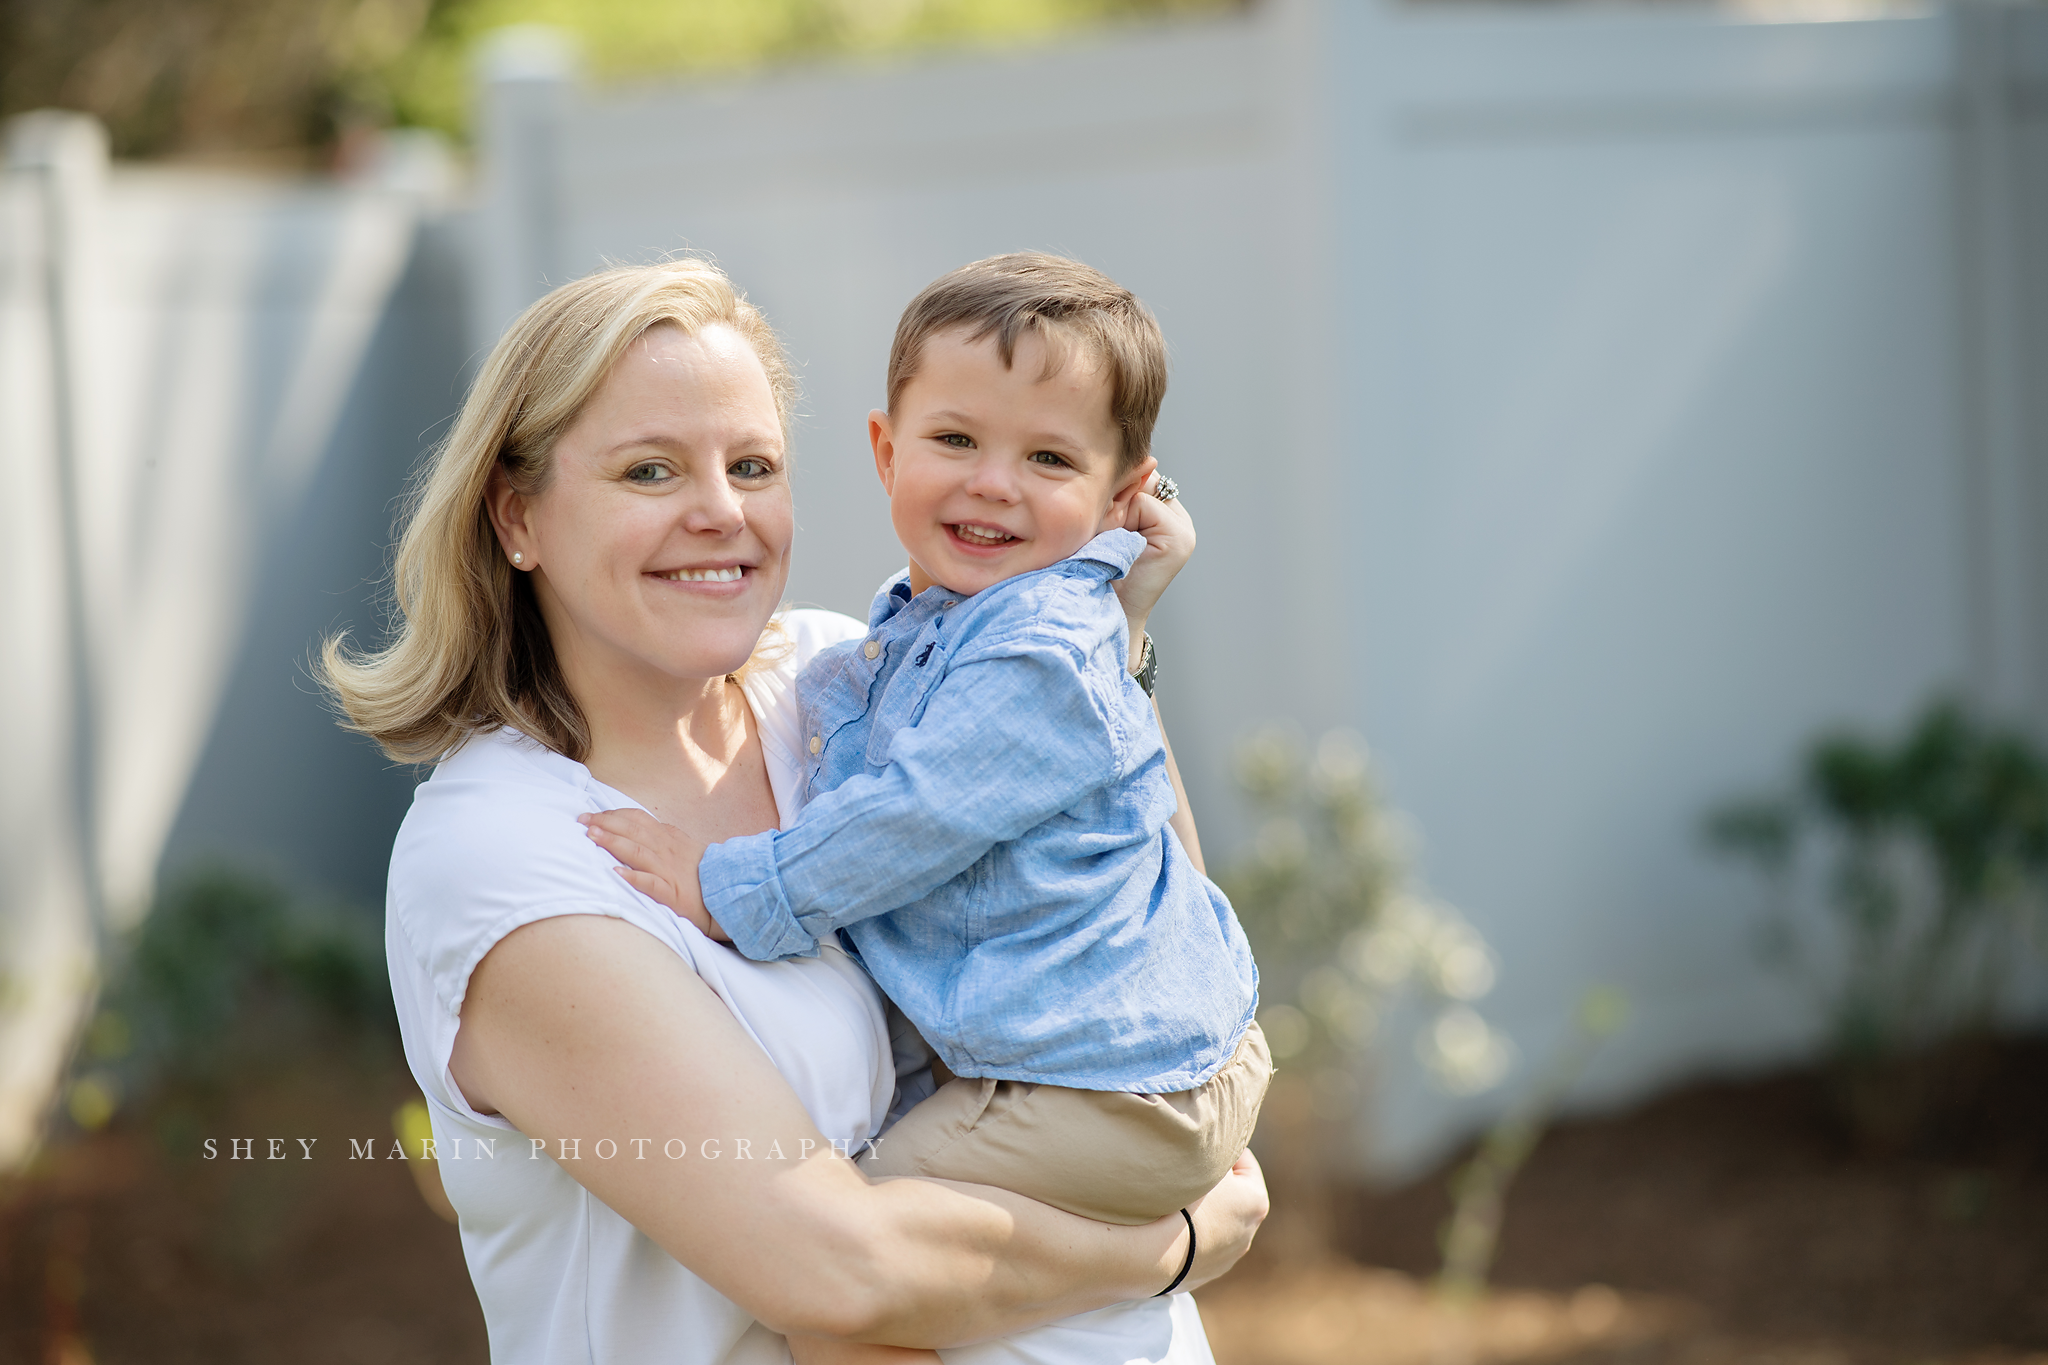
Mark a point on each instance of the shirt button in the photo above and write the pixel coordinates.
(871, 648)
(816, 744)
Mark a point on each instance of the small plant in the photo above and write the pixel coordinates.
(1344, 935)
(1341, 926)
(1479, 1189)
(1905, 880)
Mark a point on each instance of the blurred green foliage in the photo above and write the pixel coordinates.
(1907, 879)
(198, 77)
(227, 978)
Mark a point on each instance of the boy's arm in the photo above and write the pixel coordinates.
(1005, 744)
(662, 861)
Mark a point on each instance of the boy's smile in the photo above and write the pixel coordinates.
(995, 470)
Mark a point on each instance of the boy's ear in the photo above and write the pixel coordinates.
(1135, 482)
(882, 436)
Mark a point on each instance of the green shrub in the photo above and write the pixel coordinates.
(211, 76)
(1905, 879)
(226, 977)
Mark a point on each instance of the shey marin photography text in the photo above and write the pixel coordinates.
(517, 1146)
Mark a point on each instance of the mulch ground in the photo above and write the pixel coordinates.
(123, 1248)
(1720, 1224)
(1729, 1222)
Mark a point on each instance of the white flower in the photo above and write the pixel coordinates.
(1466, 1053)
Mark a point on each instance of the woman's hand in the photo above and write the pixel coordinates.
(1226, 1219)
(1170, 540)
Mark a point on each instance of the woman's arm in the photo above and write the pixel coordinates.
(1183, 820)
(582, 1027)
(1170, 541)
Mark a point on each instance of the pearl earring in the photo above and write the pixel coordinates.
(518, 558)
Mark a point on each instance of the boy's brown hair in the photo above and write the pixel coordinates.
(1069, 305)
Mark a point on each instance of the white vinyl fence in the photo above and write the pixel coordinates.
(1690, 360)
(1586, 404)
(174, 349)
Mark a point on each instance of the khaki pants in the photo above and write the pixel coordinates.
(1105, 1155)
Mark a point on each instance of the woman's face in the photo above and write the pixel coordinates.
(660, 546)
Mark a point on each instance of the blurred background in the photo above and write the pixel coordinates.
(1611, 685)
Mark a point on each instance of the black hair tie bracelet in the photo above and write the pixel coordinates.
(1188, 1264)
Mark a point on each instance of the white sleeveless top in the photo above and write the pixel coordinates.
(491, 843)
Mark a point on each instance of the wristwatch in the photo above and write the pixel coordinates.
(1147, 671)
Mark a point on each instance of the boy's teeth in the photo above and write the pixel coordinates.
(704, 575)
(976, 533)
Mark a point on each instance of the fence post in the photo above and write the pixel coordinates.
(52, 901)
(2009, 649)
(525, 74)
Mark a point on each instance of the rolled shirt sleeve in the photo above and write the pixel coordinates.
(1012, 735)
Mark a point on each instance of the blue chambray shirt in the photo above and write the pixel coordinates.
(988, 800)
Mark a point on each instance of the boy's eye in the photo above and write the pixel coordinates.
(957, 441)
(1049, 457)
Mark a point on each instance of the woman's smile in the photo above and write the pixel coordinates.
(723, 580)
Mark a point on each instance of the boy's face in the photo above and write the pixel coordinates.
(993, 471)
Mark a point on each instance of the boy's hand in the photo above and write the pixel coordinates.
(658, 860)
(1170, 540)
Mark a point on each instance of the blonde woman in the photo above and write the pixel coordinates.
(646, 1134)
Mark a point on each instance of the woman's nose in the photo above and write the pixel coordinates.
(716, 511)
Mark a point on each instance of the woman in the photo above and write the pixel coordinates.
(585, 581)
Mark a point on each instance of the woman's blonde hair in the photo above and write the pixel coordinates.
(469, 651)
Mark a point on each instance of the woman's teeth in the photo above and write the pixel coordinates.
(704, 575)
(981, 535)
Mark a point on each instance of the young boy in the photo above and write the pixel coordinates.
(986, 785)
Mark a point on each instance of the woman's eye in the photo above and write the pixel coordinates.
(751, 468)
(647, 473)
